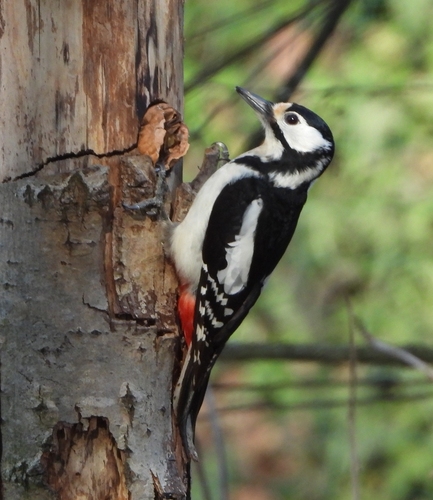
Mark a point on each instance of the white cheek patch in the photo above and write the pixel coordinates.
(239, 253)
(302, 137)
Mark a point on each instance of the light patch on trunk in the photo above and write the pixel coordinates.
(239, 253)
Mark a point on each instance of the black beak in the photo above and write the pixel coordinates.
(261, 106)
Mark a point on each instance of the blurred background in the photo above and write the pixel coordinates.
(307, 430)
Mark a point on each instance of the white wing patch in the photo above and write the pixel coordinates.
(239, 253)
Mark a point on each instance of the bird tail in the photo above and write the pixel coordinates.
(188, 397)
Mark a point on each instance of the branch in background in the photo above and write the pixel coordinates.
(351, 414)
(218, 438)
(233, 58)
(389, 89)
(327, 404)
(384, 383)
(404, 355)
(230, 20)
(202, 478)
(323, 353)
(336, 10)
(234, 98)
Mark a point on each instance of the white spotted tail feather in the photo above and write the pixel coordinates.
(235, 233)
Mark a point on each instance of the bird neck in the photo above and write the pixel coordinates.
(290, 161)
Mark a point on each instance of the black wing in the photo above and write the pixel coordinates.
(248, 232)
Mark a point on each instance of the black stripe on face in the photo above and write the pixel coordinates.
(279, 134)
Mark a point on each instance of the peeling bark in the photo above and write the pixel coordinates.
(77, 452)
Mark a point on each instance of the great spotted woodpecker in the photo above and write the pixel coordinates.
(235, 233)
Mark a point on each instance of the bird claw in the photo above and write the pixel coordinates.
(223, 151)
(151, 206)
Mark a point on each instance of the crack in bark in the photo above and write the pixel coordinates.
(69, 156)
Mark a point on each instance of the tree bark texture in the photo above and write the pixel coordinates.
(88, 332)
(76, 76)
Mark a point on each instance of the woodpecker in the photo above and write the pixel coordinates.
(234, 235)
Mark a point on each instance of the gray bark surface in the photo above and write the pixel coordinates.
(68, 366)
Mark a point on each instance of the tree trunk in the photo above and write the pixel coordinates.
(88, 333)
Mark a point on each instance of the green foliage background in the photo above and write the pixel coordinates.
(366, 231)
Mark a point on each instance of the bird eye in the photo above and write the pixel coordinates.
(292, 118)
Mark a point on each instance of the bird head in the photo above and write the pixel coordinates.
(294, 135)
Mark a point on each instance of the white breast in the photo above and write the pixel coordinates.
(187, 238)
